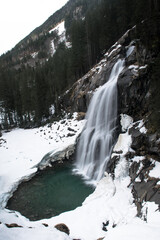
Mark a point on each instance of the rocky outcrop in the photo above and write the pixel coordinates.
(134, 148)
(134, 98)
(147, 152)
(132, 83)
(63, 228)
(78, 97)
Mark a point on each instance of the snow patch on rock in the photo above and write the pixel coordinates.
(155, 172)
(125, 121)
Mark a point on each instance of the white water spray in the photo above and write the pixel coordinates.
(97, 138)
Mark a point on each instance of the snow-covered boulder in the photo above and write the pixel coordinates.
(57, 155)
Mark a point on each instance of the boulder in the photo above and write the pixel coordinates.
(138, 139)
(45, 224)
(147, 191)
(62, 227)
(80, 116)
(13, 225)
(112, 164)
(132, 91)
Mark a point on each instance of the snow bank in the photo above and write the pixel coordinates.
(40, 233)
(125, 121)
(138, 229)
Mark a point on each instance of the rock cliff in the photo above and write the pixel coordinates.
(137, 98)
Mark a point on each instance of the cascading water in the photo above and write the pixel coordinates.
(97, 138)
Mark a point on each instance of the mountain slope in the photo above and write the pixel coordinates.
(47, 62)
(134, 164)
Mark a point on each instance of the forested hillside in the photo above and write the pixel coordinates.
(33, 76)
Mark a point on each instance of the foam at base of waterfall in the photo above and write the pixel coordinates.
(87, 180)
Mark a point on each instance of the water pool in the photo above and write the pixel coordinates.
(50, 193)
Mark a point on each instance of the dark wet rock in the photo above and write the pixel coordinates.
(71, 129)
(134, 132)
(2, 141)
(133, 170)
(129, 155)
(153, 144)
(104, 228)
(112, 164)
(105, 224)
(146, 191)
(144, 187)
(114, 225)
(13, 225)
(45, 224)
(132, 91)
(138, 139)
(63, 121)
(62, 227)
(70, 134)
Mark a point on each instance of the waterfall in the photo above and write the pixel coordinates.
(97, 139)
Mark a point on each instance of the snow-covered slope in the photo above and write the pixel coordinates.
(61, 33)
(108, 213)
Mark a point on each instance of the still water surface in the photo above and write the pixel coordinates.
(50, 193)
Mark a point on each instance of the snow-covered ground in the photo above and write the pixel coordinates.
(108, 213)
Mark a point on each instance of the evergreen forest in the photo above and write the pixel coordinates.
(92, 26)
